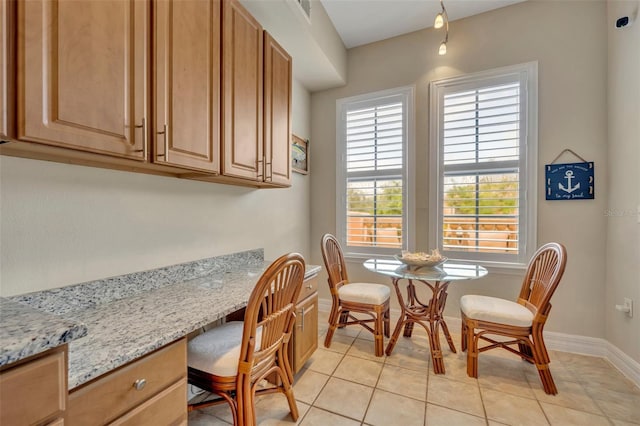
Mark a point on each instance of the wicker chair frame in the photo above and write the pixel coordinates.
(540, 282)
(270, 308)
(341, 310)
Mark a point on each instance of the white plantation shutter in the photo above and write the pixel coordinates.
(484, 137)
(372, 173)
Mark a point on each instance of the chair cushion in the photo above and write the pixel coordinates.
(496, 310)
(373, 294)
(218, 350)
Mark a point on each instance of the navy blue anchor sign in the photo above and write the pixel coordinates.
(570, 181)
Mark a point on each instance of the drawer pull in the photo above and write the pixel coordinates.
(139, 384)
(309, 286)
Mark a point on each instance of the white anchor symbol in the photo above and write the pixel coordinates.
(569, 175)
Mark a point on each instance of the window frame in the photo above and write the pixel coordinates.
(406, 95)
(527, 75)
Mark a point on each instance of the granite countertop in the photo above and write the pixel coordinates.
(25, 331)
(130, 316)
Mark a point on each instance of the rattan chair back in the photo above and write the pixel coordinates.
(334, 263)
(270, 309)
(542, 278)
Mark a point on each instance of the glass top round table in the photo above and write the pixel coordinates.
(449, 271)
(428, 314)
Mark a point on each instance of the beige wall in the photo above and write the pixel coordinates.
(623, 226)
(62, 224)
(569, 41)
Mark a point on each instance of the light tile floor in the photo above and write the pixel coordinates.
(347, 385)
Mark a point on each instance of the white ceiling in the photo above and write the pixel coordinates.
(364, 21)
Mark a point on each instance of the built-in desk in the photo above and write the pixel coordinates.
(132, 316)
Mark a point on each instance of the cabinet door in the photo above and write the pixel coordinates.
(242, 93)
(277, 112)
(305, 335)
(35, 391)
(187, 83)
(82, 74)
(7, 64)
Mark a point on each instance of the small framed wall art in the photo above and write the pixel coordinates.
(569, 181)
(300, 155)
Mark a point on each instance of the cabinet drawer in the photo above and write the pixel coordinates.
(114, 394)
(169, 407)
(43, 382)
(309, 286)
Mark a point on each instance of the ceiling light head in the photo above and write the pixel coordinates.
(439, 22)
(442, 20)
(443, 49)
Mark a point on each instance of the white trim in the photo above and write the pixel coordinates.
(528, 76)
(585, 345)
(407, 94)
(623, 362)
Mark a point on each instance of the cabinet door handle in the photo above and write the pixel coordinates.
(143, 126)
(139, 384)
(165, 134)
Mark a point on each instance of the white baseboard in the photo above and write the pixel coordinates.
(562, 342)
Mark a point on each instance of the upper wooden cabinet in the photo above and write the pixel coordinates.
(188, 88)
(242, 42)
(7, 68)
(82, 75)
(187, 84)
(256, 109)
(277, 112)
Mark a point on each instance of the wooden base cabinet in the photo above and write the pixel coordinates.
(305, 334)
(149, 391)
(35, 390)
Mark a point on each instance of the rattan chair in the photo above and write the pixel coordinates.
(522, 322)
(232, 359)
(347, 298)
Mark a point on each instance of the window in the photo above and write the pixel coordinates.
(483, 166)
(373, 134)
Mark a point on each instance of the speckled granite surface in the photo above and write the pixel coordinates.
(141, 312)
(25, 331)
(92, 294)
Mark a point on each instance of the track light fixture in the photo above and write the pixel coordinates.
(442, 20)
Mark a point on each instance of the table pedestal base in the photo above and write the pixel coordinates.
(429, 315)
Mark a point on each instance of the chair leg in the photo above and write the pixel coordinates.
(387, 322)
(463, 335)
(377, 335)
(333, 323)
(472, 351)
(525, 350)
(548, 384)
(541, 359)
(344, 318)
(246, 405)
(288, 391)
(329, 336)
(293, 407)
